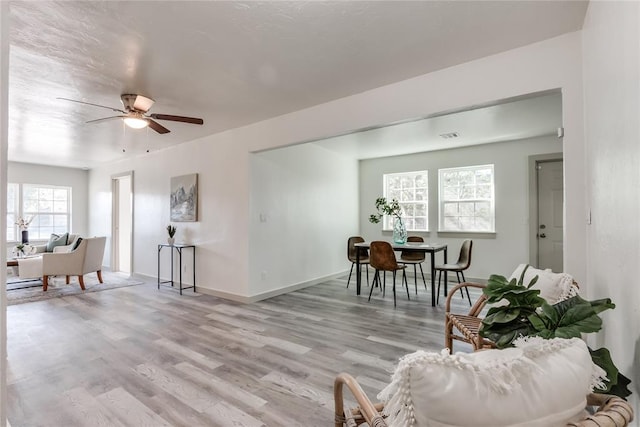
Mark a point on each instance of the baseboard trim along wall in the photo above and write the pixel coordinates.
(286, 289)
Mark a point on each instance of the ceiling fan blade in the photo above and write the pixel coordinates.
(192, 120)
(157, 127)
(104, 119)
(95, 105)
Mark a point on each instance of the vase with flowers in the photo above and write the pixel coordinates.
(23, 225)
(172, 232)
(393, 209)
(22, 249)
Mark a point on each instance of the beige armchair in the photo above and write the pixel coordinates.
(86, 258)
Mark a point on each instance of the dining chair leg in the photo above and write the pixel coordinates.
(384, 282)
(458, 277)
(404, 277)
(394, 289)
(351, 271)
(415, 277)
(438, 291)
(423, 279)
(376, 279)
(466, 288)
(367, 267)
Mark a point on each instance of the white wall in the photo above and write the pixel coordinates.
(223, 159)
(498, 253)
(221, 231)
(77, 179)
(611, 42)
(304, 204)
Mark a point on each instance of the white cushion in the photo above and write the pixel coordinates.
(541, 383)
(554, 287)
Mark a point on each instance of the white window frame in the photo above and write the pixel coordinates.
(476, 200)
(405, 202)
(13, 212)
(35, 223)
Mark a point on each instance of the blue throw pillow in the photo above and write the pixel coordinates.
(57, 240)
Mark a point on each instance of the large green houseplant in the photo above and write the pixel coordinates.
(391, 208)
(527, 314)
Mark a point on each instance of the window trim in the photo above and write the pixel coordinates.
(442, 201)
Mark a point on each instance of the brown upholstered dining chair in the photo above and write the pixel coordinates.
(464, 261)
(382, 258)
(351, 256)
(415, 258)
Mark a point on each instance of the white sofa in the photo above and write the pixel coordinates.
(86, 258)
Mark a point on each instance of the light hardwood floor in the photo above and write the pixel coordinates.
(139, 356)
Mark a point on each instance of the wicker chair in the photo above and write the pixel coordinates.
(612, 411)
(465, 327)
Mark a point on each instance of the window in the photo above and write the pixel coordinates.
(410, 190)
(467, 199)
(12, 211)
(50, 207)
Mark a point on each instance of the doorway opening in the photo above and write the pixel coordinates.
(122, 223)
(546, 193)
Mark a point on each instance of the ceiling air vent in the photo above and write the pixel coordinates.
(449, 135)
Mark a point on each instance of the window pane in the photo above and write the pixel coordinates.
(407, 195)
(451, 209)
(420, 223)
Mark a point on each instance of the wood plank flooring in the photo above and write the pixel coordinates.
(139, 356)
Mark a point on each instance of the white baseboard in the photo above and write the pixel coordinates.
(279, 291)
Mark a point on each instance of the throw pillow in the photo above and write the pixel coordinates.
(540, 383)
(554, 287)
(57, 240)
(77, 243)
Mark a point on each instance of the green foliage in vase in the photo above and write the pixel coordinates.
(527, 314)
(171, 230)
(385, 207)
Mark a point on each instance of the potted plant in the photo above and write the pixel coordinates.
(393, 209)
(172, 232)
(527, 314)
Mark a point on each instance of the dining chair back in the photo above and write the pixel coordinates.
(382, 258)
(463, 263)
(414, 258)
(352, 256)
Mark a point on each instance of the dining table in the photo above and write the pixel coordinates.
(430, 248)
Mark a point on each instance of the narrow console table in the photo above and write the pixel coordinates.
(177, 248)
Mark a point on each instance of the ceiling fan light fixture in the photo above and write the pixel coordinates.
(136, 122)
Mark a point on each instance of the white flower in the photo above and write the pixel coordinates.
(23, 249)
(23, 224)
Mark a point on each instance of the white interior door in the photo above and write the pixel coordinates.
(550, 215)
(122, 227)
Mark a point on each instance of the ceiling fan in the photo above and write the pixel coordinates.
(135, 113)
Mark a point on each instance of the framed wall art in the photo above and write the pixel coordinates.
(184, 198)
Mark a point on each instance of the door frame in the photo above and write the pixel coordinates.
(115, 207)
(534, 161)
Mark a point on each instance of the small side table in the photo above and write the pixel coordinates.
(178, 247)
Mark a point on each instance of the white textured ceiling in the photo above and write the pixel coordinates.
(232, 63)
